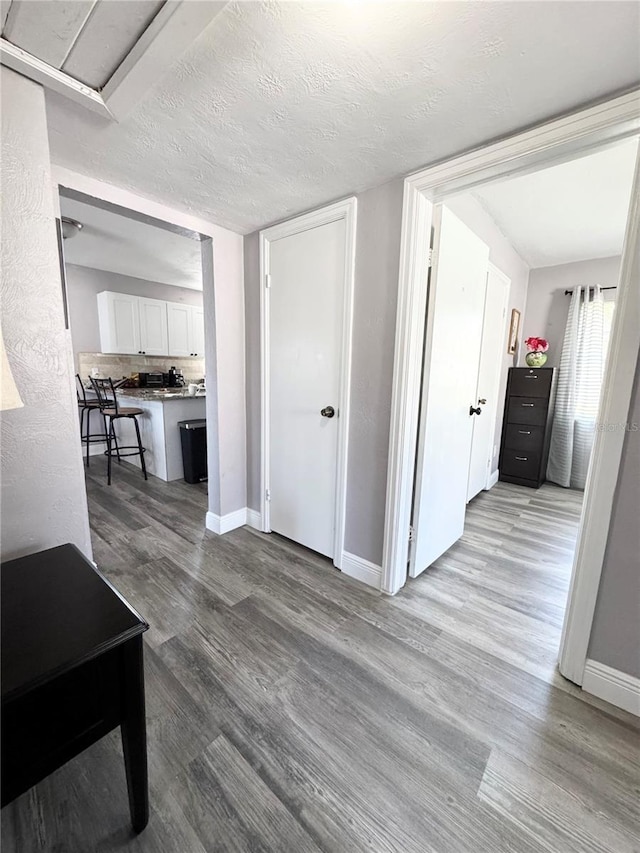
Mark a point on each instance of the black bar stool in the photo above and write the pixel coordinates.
(87, 406)
(112, 411)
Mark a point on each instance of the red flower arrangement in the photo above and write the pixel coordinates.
(537, 344)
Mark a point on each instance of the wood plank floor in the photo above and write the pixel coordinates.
(290, 709)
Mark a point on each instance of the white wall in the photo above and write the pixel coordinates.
(227, 311)
(615, 634)
(84, 285)
(507, 260)
(375, 298)
(374, 330)
(547, 305)
(44, 501)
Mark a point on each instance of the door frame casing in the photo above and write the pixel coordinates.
(549, 144)
(604, 467)
(342, 210)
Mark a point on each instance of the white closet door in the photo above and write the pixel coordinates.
(153, 326)
(455, 308)
(306, 318)
(492, 355)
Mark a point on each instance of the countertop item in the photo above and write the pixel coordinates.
(72, 671)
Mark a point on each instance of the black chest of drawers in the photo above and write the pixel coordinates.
(526, 428)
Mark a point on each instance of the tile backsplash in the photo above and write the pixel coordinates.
(117, 366)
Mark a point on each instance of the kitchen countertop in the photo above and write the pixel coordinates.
(160, 394)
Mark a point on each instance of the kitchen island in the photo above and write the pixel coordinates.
(161, 412)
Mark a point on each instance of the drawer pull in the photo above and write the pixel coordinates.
(531, 376)
(524, 432)
(522, 458)
(528, 405)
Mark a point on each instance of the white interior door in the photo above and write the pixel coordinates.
(305, 327)
(455, 307)
(153, 326)
(491, 359)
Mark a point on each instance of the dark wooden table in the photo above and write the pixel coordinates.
(72, 670)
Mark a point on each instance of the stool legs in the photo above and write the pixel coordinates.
(115, 441)
(113, 447)
(85, 429)
(88, 434)
(109, 434)
(82, 411)
(141, 448)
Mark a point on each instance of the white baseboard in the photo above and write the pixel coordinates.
(492, 479)
(354, 567)
(613, 686)
(224, 523)
(361, 570)
(212, 522)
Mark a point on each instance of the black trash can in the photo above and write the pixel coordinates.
(193, 435)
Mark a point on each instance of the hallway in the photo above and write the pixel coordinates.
(290, 709)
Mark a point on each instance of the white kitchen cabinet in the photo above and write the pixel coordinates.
(153, 326)
(197, 331)
(179, 318)
(119, 321)
(134, 325)
(186, 329)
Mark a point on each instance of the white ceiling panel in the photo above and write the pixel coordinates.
(571, 212)
(112, 242)
(111, 31)
(46, 29)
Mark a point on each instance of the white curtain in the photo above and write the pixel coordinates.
(582, 363)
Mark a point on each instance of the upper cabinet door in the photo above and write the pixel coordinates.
(119, 321)
(153, 327)
(179, 323)
(197, 331)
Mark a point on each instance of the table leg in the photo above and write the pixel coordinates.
(134, 732)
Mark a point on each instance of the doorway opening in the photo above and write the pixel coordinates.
(551, 145)
(134, 303)
(510, 393)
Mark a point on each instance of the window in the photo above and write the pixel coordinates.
(594, 331)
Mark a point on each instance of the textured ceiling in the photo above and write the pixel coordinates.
(280, 107)
(572, 212)
(112, 242)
